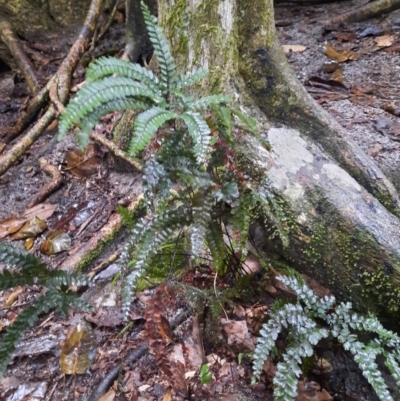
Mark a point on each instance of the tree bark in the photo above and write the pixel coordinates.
(340, 207)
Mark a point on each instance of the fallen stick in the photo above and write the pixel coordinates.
(370, 10)
(50, 187)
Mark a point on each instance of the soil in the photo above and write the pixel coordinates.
(366, 103)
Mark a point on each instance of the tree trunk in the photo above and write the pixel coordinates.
(340, 208)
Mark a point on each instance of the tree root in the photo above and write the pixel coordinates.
(115, 150)
(9, 38)
(370, 10)
(58, 86)
(94, 246)
(50, 187)
(132, 357)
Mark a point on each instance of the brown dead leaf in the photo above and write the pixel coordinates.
(109, 396)
(337, 76)
(11, 225)
(43, 211)
(237, 333)
(293, 48)
(384, 40)
(168, 395)
(311, 391)
(79, 349)
(340, 57)
(30, 229)
(55, 242)
(84, 164)
(346, 36)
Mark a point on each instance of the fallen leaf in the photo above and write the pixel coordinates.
(55, 242)
(11, 225)
(311, 391)
(237, 333)
(384, 40)
(109, 396)
(340, 57)
(84, 164)
(337, 76)
(29, 243)
(293, 48)
(43, 211)
(30, 229)
(13, 296)
(346, 36)
(79, 349)
(168, 395)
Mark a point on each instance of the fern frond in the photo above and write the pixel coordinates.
(208, 101)
(24, 321)
(216, 244)
(162, 228)
(200, 133)
(191, 78)
(106, 66)
(11, 255)
(95, 94)
(91, 119)
(161, 50)
(202, 204)
(250, 123)
(146, 126)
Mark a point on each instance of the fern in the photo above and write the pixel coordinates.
(161, 50)
(23, 268)
(305, 334)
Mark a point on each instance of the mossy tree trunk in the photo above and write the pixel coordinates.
(340, 208)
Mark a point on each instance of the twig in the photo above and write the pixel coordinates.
(116, 150)
(12, 42)
(370, 10)
(50, 187)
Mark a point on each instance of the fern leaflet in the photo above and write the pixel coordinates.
(147, 124)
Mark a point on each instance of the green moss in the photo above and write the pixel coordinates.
(378, 286)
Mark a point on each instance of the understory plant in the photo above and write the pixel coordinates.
(21, 269)
(192, 184)
(298, 321)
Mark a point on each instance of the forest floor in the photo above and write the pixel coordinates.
(351, 71)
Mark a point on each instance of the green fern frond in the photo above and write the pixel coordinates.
(191, 78)
(200, 133)
(161, 230)
(11, 255)
(161, 50)
(216, 244)
(146, 126)
(202, 204)
(250, 123)
(88, 123)
(106, 66)
(208, 101)
(95, 94)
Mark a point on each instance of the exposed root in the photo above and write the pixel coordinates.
(97, 241)
(9, 38)
(370, 10)
(50, 187)
(36, 104)
(54, 96)
(59, 84)
(115, 150)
